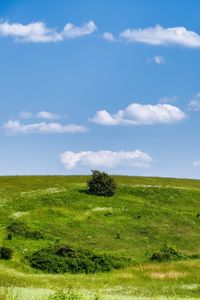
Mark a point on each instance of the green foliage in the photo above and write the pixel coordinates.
(63, 259)
(65, 295)
(101, 184)
(5, 253)
(17, 228)
(21, 229)
(166, 254)
(71, 294)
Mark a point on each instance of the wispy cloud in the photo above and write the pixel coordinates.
(40, 115)
(71, 31)
(47, 115)
(168, 99)
(194, 104)
(196, 163)
(159, 60)
(25, 114)
(38, 32)
(140, 114)
(105, 159)
(108, 37)
(162, 36)
(16, 127)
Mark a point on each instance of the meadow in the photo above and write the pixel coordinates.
(144, 214)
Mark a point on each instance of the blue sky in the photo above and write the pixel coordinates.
(109, 85)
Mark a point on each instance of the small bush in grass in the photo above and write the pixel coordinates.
(5, 253)
(34, 234)
(17, 228)
(63, 259)
(166, 254)
(70, 295)
(65, 295)
(101, 184)
(21, 229)
(194, 256)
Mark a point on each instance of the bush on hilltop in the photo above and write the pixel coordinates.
(101, 184)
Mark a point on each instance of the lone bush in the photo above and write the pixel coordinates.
(166, 254)
(5, 253)
(64, 259)
(70, 294)
(65, 295)
(101, 184)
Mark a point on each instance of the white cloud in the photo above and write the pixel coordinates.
(159, 60)
(15, 127)
(32, 32)
(108, 37)
(38, 32)
(105, 159)
(194, 104)
(162, 36)
(140, 114)
(71, 31)
(40, 115)
(47, 115)
(196, 163)
(105, 118)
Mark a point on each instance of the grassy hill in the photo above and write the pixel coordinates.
(145, 214)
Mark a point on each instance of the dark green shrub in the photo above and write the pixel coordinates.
(101, 184)
(46, 260)
(17, 228)
(62, 259)
(5, 253)
(194, 256)
(9, 236)
(34, 234)
(21, 229)
(167, 254)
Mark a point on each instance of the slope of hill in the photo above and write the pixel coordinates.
(145, 214)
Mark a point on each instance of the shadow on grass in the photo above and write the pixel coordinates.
(84, 191)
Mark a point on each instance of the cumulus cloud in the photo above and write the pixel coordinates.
(140, 114)
(194, 104)
(38, 32)
(47, 115)
(105, 159)
(71, 31)
(162, 36)
(16, 127)
(159, 60)
(32, 32)
(108, 37)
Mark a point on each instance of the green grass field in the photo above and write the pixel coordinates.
(144, 214)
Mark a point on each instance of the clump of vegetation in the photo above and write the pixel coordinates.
(65, 295)
(21, 229)
(166, 254)
(70, 294)
(63, 259)
(101, 184)
(6, 253)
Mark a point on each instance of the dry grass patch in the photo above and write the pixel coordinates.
(167, 275)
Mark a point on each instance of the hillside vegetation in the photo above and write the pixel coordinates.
(144, 215)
